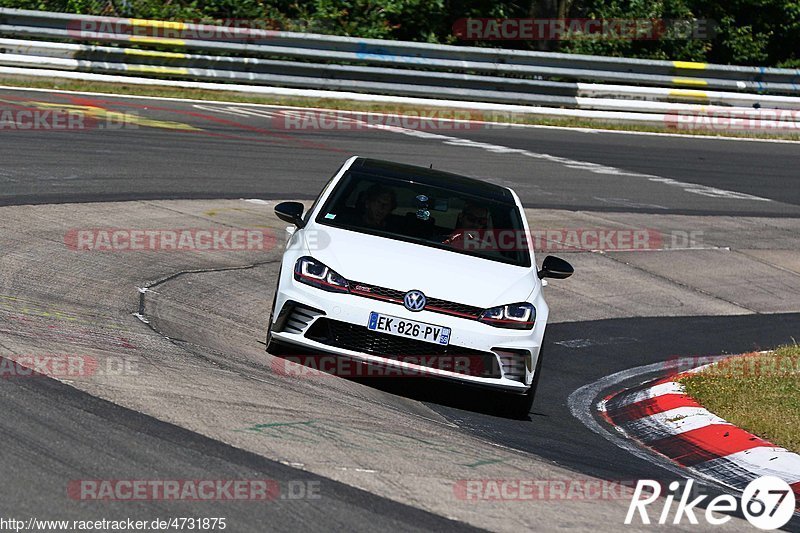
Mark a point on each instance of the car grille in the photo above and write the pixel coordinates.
(361, 339)
(434, 305)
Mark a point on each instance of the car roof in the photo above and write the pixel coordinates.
(435, 178)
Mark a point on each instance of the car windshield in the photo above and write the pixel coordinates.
(429, 215)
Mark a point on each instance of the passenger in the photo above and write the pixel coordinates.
(473, 217)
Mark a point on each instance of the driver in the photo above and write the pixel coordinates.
(379, 202)
(470, 225)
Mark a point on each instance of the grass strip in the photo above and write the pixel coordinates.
(757, 392)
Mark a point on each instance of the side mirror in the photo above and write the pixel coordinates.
(556, 268)
(291, 212)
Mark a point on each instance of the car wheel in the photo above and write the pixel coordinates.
(536, 374)
(272, 346)
(522, 407)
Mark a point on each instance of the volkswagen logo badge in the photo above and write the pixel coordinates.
(414, 301)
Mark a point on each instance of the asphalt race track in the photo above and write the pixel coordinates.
(201, 400)
(236, 151)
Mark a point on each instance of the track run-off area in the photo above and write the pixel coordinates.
(181, 388)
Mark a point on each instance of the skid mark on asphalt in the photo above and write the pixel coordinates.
(681, 284)
(585, 343)
(100, 111)
(212, 213)
(624, 202)
(255, 213)
(366, 440)
(15, 305)
(484, 462)
(113, 119)
(272, 135)
(35, 322)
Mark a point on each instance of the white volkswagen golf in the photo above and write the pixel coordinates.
(416, 269)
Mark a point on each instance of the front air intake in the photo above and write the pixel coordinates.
(514, 362)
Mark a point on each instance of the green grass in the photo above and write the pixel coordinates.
(758, 392)
(331, 103)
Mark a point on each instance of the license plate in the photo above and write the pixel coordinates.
(409, 329)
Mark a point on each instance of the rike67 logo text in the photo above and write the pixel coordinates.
(768, 503)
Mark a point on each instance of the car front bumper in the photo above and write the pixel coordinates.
(514, 352)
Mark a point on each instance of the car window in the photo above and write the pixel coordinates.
(427, 215)
(307, 214)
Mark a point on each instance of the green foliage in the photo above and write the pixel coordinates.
(748, 32)
(387, 19)
(755, 32)
(671, 46)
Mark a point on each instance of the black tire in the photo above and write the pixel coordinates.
(272, 346)
(536, 374)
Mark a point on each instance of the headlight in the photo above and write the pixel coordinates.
(311, 272)
(514, 316)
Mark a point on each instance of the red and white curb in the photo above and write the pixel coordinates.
(662, 417)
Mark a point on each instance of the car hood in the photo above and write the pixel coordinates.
(437, 273)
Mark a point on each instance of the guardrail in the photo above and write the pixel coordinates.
(406, 69)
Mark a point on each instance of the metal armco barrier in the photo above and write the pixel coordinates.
(420, 70)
